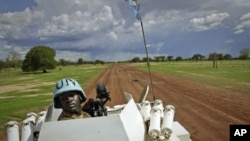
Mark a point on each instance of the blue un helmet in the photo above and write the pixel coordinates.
(65, 85)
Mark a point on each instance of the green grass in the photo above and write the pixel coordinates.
(234, 75)
(33, 92)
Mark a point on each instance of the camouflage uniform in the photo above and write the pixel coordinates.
(66, 116)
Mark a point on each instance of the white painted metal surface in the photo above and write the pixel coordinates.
(126, 126)
(12, 128)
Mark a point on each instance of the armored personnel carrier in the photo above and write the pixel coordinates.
(131, 121)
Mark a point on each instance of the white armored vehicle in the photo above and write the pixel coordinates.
(142, 121)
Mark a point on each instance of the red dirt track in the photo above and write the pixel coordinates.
(205, 111)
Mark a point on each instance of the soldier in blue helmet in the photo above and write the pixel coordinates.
(69, 95)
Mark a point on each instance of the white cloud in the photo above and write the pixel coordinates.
(113, 35)
(79, 22)
(244, 3)
(84, 27)
(12, 23)
(72, 55)
(159, 46)
(163, 18)
(206, 23)
(245, 17)
(239, 31)
(243, 24)
(7, 47)
(229, 41)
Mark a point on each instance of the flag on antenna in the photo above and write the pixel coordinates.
(135, 5)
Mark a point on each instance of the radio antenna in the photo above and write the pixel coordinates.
(135, 5)
(148, 63)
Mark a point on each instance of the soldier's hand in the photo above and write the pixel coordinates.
(88, 106)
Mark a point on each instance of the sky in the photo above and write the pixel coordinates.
(108, 29)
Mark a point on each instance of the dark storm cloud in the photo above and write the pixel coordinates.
(109, 30)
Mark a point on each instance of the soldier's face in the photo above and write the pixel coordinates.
(70, 102)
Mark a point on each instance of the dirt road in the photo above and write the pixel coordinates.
(205, 111)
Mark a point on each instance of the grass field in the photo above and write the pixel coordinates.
(233, 74)
(25, 92)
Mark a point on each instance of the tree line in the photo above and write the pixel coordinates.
(244, 55)
(42, 58)
(39, 58)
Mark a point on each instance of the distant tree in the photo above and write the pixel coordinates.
(214, 57)
(136, 59)
(97, 61)
(62, 62)
(244, 54)
(80, 61)
(2, 64)
(198, 57)
(39, 58)
(227, 56)
(219, 56)
(101, 62)
(145, 59)
(162, 58)
(14, 59)
(157, 58)
(170, 58)
(178, 58)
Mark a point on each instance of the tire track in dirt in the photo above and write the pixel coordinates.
(114, 85)
(102, 78)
